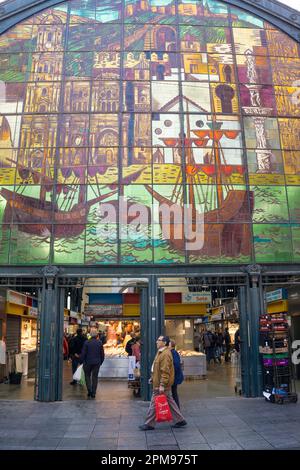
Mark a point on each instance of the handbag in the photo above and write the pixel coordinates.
(77, 374)
(162, 409)
(82, 377)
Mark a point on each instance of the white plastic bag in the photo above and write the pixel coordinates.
(77, 374)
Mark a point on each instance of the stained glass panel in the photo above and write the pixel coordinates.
(118, 116)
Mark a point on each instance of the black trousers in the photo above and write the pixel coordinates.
(91, 377)
(175, 395)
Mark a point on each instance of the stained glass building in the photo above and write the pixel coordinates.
(113, 107)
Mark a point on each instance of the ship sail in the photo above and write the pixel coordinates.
(226, 231)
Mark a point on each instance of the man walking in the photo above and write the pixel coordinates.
(162, 380)
(92, 357)
(75, 348)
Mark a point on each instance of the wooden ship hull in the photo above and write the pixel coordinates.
(37, 217)
(225, 232)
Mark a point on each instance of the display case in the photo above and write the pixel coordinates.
(28, 335)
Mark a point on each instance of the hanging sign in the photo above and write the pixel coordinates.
(278, 294)
(196, 298)
(104, 311)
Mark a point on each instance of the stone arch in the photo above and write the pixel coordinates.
(164, 38)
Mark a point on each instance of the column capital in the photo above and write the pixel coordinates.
(254, 272)
(50, 272)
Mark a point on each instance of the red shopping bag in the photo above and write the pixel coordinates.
(162, 409)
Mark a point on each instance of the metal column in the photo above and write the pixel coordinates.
(245, 341)
(251, 306)
(49, 387)
(152, 325)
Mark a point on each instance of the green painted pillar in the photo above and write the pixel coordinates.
(50, 355)
(152, 325)
(256, 309)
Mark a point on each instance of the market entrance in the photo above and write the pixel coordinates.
(158, 309)
(188, 312)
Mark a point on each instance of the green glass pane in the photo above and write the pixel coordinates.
(293, 193)
(69, 244)
(4, 245)
(136, 243)
(28, 245)
(296, 242)
(270, 204)
(272, 243)
(101, 246)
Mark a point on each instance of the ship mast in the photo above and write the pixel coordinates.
(190, 160)
(216, 145)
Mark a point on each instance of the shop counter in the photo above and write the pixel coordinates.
(114, 367)
(194, 366)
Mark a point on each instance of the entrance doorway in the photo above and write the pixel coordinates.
(151, 305)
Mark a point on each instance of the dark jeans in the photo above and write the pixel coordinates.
(91, 370)
(175, 395)
(75, 364)
(227, 353)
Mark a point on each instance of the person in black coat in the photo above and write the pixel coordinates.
(75, 348)
(92, 357)
(178, 378)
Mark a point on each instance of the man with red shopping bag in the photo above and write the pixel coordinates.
(162, 379)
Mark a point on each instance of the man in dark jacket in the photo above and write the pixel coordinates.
(92, 357)
(178, 372)
(75, 348)
(227, 341)
(130, 343)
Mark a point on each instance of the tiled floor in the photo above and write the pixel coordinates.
(219, 383)
(219, 423)
(216, 419)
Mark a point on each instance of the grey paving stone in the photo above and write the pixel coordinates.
(77, 435)
(75, 443)
(44, 443)
(102, 444)
(14, 442)
(136, 447)
(194, 447)
(12, 447)
(21, 434)
(225, 446)
(162, 448)
(105, 434)
(285, 444)
(191, 440)
(154, 439)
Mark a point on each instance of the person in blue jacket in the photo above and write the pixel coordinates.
(178, 371)
(92, 357)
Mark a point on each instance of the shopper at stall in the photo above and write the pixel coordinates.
(227, 341)
(177, 370)
(209, 346)
(129, 344)
(136, 349)
(237, 340)
(75, 349)
(162, 379)
(92, 357)
(219, 346)
(65, 347)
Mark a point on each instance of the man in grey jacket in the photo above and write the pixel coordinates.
(92, 357)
